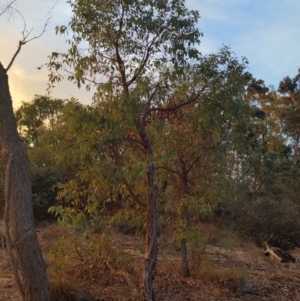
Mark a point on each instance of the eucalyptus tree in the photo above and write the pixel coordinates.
(277, 110)
(265, 178)
(123, 48)
(289, 108)
(32, 117)
(39, 126)
(24, 251)
(195, 142)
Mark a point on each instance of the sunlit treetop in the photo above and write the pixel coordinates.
(119, 41)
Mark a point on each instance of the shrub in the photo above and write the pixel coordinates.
(277, 222)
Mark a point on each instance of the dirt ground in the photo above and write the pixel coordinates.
(235, 273)
(8, 288)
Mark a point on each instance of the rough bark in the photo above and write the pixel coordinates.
(151, 250)
(25, 254)
(186, 222)
(185, 270)
(151, 236)
(296, 149)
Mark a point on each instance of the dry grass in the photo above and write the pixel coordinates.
(49, 234)
(62, 290)
(109, 265)
(228, 269)
(232, 279)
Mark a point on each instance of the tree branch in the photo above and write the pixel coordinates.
(148, 112)
(146, 57)
(7, 7)
(198, 157)
(24, 40)
(136, 142)
(21, 43)
(192, 164)
(118, 57)
(169, 169)
(44, 30)
(133, 195)
(153, 93)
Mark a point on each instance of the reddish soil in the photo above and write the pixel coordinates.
(8, 288)
(235, 273)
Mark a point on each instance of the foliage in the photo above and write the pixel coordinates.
(44, 193)
(265, 205)
(87, 250)
(127, 40)
(33, 117)
(39, 126)
(265, 219)
(170, 130)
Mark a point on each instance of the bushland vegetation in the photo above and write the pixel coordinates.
(173, 140)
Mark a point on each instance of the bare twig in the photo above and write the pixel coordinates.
(51, 8)
(24, 40)
(10, 9)
(44, 30)
(7, 8)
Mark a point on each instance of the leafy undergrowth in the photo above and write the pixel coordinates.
(108, 266)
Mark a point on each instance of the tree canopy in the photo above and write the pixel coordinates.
(173, 137)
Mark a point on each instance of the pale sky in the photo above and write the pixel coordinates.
(266, 32)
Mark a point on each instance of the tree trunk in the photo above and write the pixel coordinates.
(151, 250)
(151, 235)
(186, 223)
(185, 270)
(296, 149)
(184, 259)
(24, 251)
